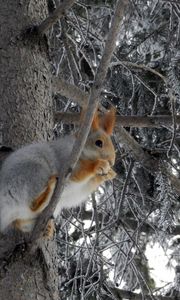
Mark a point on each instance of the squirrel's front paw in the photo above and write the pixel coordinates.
(102, 167)
(111, 175)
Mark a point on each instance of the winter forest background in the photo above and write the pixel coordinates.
(141, 207)
(104, 245)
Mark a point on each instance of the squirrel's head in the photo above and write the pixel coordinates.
(99, 144)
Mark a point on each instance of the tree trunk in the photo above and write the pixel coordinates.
(26, 105)
(26, 116)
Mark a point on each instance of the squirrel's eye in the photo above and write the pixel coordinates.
(99, 143)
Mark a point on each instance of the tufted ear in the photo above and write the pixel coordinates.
(108, 121)
(95, 122)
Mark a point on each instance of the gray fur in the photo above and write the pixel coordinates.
(25, 173)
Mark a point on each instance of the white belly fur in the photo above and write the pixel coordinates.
(73, 195)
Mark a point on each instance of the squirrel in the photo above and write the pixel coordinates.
(28, 176)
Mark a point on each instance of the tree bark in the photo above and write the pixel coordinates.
(26, 116)
(26, 105)
(28, 274)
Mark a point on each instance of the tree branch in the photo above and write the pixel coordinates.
(56, 15)
(157, 121)
(123, 294)
(139, 66)
(151, 164)
(70, 91)
(135, 149)
(131, 223)
(87, 120)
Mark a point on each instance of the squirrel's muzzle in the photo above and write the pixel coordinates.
(111, 161)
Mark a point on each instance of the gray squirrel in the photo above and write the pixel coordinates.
(28, 176)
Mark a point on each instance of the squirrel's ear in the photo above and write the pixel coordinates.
(95, 122)
(108, 121)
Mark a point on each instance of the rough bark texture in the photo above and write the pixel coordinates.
(26, 115)
(24, 74)
(27, 274)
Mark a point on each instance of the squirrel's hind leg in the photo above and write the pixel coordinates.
(28, 224)
(40, 202)
(36, 207)
(25, 225)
